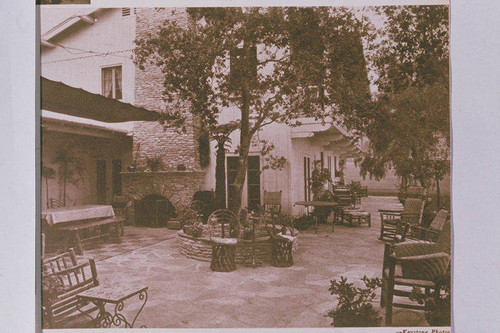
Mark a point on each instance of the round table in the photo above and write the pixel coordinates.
(317, 204)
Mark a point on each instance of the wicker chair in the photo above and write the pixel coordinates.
(414, 263)
(223, 243)
(430, 233)
(393, 223)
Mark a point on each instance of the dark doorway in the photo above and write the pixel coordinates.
(253, 180)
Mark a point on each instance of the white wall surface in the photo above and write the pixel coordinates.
(72, 65)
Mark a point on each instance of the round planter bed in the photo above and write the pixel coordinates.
(200, 248)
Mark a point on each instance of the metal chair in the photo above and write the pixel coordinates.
(223, 230)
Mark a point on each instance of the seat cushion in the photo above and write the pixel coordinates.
(224, 241)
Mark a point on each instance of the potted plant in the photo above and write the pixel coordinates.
(187, 217)
(155, 163)
(354, 308)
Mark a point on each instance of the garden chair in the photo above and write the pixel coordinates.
(223, 229)
(414, 263)
(392, 223)
(430, 233)
(272, 202)
(60, 305)
(60, 262)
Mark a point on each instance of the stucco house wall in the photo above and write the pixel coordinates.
(88, 149)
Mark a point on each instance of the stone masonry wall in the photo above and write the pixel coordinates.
(178, 187)
(175, 147)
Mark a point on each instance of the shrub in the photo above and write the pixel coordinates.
(437, 310)
(155, 163)
(354, 308)
(303, 222)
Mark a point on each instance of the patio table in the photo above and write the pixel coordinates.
(317, 204)
(116, 295)
(71, 221)
(76, 213)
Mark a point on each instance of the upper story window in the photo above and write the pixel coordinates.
(112, 82)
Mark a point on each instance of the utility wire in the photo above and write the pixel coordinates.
(90, 55)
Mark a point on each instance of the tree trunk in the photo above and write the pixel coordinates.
(220, 176)
(245, 135)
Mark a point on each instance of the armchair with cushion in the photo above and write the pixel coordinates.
(414, 263)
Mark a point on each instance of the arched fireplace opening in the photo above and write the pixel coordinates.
(153, 210)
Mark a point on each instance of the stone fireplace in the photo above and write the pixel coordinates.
(149, 193)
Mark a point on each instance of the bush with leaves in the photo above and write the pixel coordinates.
(155, 163)
(303, 222)
(354, 308)
(437, 309)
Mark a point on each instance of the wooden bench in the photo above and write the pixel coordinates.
(60, 305)
(72, 231)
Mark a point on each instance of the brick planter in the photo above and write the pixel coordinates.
(201, 248)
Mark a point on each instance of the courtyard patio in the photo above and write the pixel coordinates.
(185, 293)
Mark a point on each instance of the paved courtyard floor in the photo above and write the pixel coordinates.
(185, 293)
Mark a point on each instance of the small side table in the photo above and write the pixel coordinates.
(102, 295)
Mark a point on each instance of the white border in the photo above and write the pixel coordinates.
(475, 114)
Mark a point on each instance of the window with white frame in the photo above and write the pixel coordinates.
(112, 82)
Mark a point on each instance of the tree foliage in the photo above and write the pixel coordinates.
(273, 64)
(409, 124)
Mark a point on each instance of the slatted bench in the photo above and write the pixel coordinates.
(72, 232)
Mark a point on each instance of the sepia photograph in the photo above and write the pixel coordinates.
(63, 2)
(245, 167)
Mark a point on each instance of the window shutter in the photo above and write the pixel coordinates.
(125, 12)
